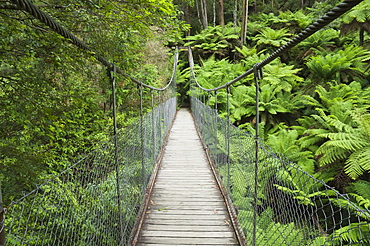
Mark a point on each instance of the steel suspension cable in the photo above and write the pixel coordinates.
(36, 12)
(310, 30)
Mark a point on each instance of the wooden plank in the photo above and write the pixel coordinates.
(195, 204)
(188, 234)
(185, 190)
(205, 228)
(188, 241)
(168, 216)
(162, 244)
(218, 207)
(189, 212)
(186, 222)
(182, 190)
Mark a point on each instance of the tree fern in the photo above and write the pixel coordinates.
(343, 65)
(321, 38)
(269, 36)
(357, 18)
(214, 40)
(298, 19)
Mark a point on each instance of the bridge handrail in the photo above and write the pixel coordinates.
(310, 30)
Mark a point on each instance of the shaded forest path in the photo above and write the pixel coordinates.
(186, 206)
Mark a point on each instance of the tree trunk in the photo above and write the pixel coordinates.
(244, 22)
(204, 13)
(198, 15)
(214, 12)
(235, 13)
(187, 18)
(221, 12)
(362, 36)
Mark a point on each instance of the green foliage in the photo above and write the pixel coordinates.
(352, 233)
(216, 40)
(339, 99)
(314, 110)
(269, 37)
(215, 72)
(358, 18)
(286, 143)
(359, 13)
(322, 39)
(349, 143)
(344, 65)
(56, 99)
(298, 19)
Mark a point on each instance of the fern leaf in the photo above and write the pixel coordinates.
(362, 188)
(353, 233)
(358, 163)
(330, 153)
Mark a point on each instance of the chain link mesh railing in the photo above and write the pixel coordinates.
(281, 205)
(96, 200)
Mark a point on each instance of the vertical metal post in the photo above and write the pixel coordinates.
(154, 131)
(161, 118)
(142, 137)
(112, 74)
(228, 137)
(216, 101)
(216, 129)
(2, 220)
(257, 76)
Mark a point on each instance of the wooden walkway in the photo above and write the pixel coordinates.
(186, 206)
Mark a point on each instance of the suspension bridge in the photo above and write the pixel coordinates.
(184, 177)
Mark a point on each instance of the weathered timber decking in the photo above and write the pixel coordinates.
(186, 206)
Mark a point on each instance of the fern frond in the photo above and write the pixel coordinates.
(361, 201)
(330, 153)
(362, 188)
(311, 101)
(358, 163)
(347, 144)
(337, 124)
(309, 142)
(353, 233)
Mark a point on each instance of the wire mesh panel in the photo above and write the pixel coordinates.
(278, 203)
(96, 200)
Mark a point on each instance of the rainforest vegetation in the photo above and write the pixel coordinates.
(314, 99)
(55, 99)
